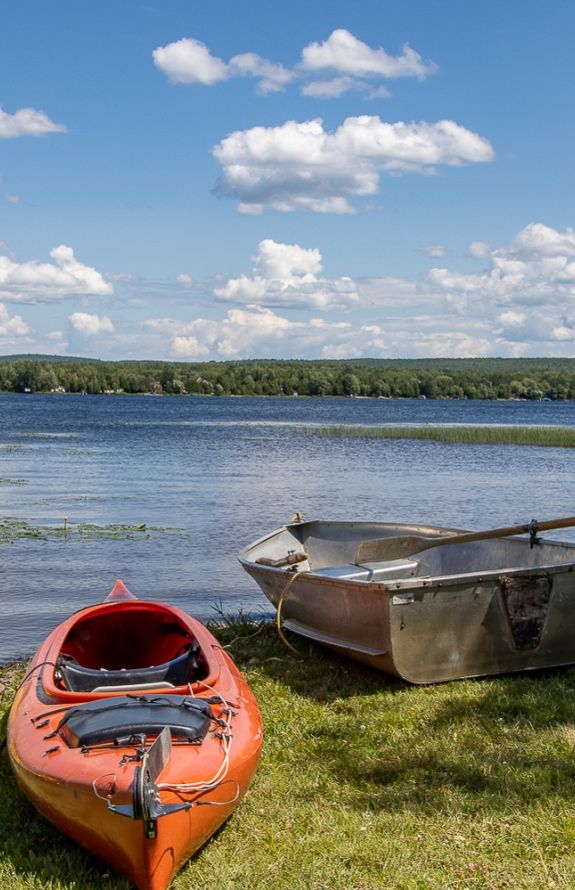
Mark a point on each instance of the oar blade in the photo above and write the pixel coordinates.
(388, 548)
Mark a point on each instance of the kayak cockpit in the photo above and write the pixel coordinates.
(129, 644)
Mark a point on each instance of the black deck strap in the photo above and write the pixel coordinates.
(121, 717)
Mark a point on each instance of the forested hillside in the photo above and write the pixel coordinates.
(490, 378)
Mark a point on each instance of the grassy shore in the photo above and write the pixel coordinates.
(543, 436)
(365, 784)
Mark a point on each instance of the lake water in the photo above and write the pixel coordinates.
(217, 473)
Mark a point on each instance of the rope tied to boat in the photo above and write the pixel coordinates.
(293, 577)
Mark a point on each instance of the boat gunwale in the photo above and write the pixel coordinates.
(417, 583)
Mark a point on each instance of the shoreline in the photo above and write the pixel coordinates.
(285, 396)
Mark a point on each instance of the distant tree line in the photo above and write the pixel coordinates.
(496, 378)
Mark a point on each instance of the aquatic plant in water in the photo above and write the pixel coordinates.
(488, 434)
(39, 435)
(13, 529)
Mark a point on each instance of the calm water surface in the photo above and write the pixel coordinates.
(218, 473)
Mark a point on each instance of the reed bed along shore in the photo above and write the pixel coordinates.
(542, 436)
(365, 784)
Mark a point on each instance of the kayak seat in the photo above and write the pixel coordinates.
(77, 678)
(120, 719)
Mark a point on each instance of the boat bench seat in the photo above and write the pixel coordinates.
(120, 719)
(177, 672)
(390, 569)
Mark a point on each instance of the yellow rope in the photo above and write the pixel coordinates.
(284, 593)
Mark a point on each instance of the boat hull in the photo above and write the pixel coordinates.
(150, 864)
(455, 611)
(81, 785)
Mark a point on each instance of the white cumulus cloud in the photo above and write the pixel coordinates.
(350, 62)
(537, 267)
(288, 275)
(12, 327)
(27, 122)
(91, 325)
(521, 303)
(275, 260)
(538, 240)
(190, 61)
(272, 76)
(302, 166)
(345, 53)
(257, 330)
(32, 281)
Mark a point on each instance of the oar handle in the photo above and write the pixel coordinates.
(291, 559)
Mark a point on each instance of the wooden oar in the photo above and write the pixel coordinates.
(398, 547)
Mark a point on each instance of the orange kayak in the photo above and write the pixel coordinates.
(135, 734)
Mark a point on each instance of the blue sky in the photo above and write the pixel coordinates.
(186, 180)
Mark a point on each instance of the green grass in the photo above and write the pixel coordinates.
(543, 436)
(365, 784)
